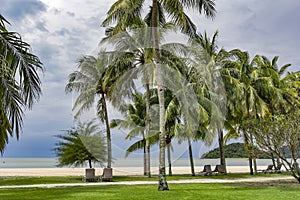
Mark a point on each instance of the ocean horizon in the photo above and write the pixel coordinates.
(123, 162)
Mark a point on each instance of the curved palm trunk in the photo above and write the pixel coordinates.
(249, 154)
(169, 158)
(145, 160)
(253, 155)
(147, 152)
(90, 164)
(162, 181)
(108, 136)
(222, 148)
(191, 157)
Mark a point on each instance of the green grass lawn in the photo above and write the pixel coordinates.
(276, 190)
(78, 179)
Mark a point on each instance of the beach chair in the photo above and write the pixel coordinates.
(107, 174)
(219, 169)
(206, 170)
(89, 175)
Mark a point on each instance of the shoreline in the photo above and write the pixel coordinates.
(117, 171)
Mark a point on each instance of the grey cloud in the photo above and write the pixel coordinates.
(62, 32)
(41, 26)
(259, 27)
(18, 9)
(55, 11)
(71, 14)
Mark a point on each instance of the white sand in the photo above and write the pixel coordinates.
(116, 171)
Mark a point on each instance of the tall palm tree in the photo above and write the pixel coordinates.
(133, 59)
(211, 58)
(92, 84)
(20, 83)
(133, 51)
(245, 101)
(126, 12)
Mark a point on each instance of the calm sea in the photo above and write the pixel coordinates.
(122, 162)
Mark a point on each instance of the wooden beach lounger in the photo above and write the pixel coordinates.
(219, 169)
(206, 170)
(89, 175)
(107, 174)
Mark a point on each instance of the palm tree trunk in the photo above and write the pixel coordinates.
(147, 154)
(255, 165)
(145, 159)
(169, 158)
(148, 171)
(248, 148)
(90, 164)
(250, 165)
(162, 181)
(108, 136)
(191, 157)
(222, 148)
(253, 154)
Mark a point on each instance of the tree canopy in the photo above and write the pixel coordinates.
(235, 150)
(82, 144)
(20, 84)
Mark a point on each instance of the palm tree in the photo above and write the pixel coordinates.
(245, 101)
(210, 58)
(133, 53)
(273, 85)
(81, 144)
(135, 121)
(127, 12)
(20, 83)
(92, 84)
(131, 58)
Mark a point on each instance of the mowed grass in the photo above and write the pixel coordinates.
(78, 179)
(276, 190)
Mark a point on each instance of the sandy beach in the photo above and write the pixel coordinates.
(116, 171)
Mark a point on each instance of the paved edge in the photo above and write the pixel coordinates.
(260, 179)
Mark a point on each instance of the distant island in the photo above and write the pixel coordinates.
(234, 150)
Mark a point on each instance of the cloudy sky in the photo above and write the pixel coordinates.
(60, 31)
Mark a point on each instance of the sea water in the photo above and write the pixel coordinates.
(124, 162)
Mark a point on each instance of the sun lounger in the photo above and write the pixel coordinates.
(107, 174)
(219, 169)
(206, 170)
(89, 175)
